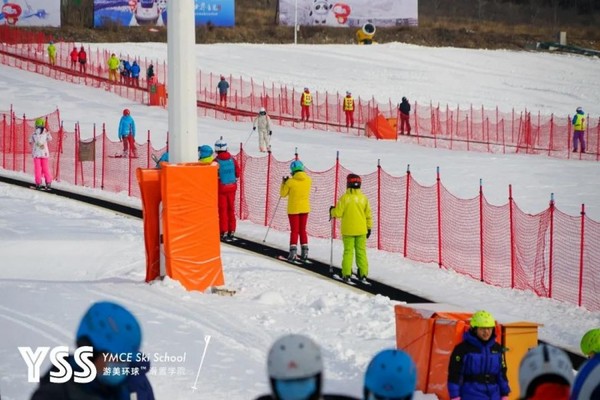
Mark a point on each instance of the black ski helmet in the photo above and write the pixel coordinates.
(353, 181)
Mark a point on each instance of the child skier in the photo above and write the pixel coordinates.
(355, 211)
(40, 152)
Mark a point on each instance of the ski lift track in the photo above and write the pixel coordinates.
(317, 267)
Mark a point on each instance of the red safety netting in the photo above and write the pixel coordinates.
(462, 128)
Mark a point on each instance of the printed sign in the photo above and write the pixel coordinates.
(349, 13)
(154, 12)
(30, 13)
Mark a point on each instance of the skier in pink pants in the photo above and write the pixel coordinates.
(40, 152)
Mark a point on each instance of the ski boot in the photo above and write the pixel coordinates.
(304, 253)
(230, 236)
(293, 252)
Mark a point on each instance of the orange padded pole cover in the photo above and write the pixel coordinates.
(149, 181)
(191, 225)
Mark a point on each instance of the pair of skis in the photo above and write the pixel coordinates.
(352, 281)
(40, 188)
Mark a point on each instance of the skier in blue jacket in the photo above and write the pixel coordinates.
(477, 367)
(127, 133)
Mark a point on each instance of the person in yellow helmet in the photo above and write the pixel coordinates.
(477, 366)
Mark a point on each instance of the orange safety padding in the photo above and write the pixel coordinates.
(393, 123)
(413, 335)
(381, 128)
(191, 225)
(149, 181)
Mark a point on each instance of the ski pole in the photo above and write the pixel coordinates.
(331, 247)
(272, 218)
(251, 132)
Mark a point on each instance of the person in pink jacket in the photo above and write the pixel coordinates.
(40, 152)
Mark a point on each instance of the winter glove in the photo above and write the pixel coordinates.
(285, 178)
(368, 233)
(270, 133)
(253, 128)
(330, 209)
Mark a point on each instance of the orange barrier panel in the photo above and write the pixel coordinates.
(149, 181)
(429, 336)
(191, 225)
(381, 128)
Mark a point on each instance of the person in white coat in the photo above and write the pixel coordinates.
(263, 123)
(40, 152)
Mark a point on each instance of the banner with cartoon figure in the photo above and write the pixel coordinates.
(30, 12)
(154, 12)
(349, 13)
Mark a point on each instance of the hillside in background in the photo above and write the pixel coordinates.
(492, 24)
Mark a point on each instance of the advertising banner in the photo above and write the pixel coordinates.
(349, 13)
(30, 13)
(154, 12)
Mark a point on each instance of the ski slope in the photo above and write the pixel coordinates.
(58, 256)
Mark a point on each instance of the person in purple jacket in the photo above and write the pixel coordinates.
(477, 367)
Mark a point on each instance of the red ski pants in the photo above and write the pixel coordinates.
(227, 211)
(305, 113)
(404, 121)
(298, 228)
(349, 118)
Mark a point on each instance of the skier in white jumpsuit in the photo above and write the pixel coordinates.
(263, 123)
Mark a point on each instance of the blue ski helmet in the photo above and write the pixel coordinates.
(110, 328)
(296, 166)
(204, 151)
(391, 374)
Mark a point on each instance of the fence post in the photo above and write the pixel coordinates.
(439, 215)
(268, 191)
(24, 142)
(481, 243)
(551, 253)
(95, 158)
(569, 133)
(336, 185)
(76, 154)
(241, 159)
(103, 156)
(512, 237)
(598, 140)
(4, 141)
(581, 249)
(149, 150)
(406, 209)
(378, 204)
(551, 140)
(326, 111)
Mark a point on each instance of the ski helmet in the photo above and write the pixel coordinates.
(482, 319)
(40, 122)
(110, 328)
(294, 357)
(220, 145)
(544, 364)
(204, 151)
(348, 93)
(587, 382)
(126, 111)
(590, 342)
(262, 111)
(353, 181)
(579, 110)
(296, 166)
(391, 374)
(404, 99)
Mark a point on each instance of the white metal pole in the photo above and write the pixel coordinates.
(296, 22)
(181, 55)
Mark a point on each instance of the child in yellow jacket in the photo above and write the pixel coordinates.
(297, 189)
(355, 211)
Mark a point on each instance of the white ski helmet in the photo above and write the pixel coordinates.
(262, 111)
(294, 357)
(543, 364)
(220, 145)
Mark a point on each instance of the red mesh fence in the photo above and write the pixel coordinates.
(550, 253)
(471, 129)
